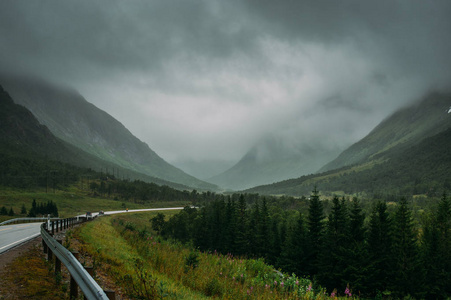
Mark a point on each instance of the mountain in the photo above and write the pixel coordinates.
(29, 149)
(406, 126)
(74, 120)
(271, 160)
(407, 153)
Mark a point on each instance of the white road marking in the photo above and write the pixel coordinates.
(24, 239)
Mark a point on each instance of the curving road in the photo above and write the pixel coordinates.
(14, 235)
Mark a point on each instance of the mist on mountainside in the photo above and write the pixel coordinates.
(203, 169)
(276, 158)
(70, 117)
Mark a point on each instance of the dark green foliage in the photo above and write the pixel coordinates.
(407, 275)
(158, 222)
(379, 249)
(436, 252)
(333, 255)
(191, 261)
(241, 228)
(315, 224)
(43, 209)
(23, 210)
(3, 211)
(356, 253)
(382, 258)
(293, 254)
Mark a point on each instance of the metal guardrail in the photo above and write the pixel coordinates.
(27, 219)
(87, 284)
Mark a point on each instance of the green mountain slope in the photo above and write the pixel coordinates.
(28, 150)
(407, 126)
(73, 119)
(398, 156)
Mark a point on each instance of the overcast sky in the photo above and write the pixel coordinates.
(205, 80)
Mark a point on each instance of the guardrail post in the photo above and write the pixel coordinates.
(49, 254)
(73, 283)
(44, 245)
(57, 261)
(53, 228)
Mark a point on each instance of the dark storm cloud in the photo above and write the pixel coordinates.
(114, 35)
(412, 36)
(205, 79)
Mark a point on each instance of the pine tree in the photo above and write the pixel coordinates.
(436, 251)
(11, 212)
(254, 235)
(315, 225)
(407, 276)
(293, 258)
(3, 211)
(379, 248)
(201, 234)
(23, 210)
(231, 227)
(33, 211)
(275, 244)
(333, 255)
(263, 235)
(242, 228)
(355, 270)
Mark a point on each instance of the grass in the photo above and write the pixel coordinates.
(119, 257)
(30, 276)
(70, 202)
(144, 264)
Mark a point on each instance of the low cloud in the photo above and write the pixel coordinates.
(205, 80)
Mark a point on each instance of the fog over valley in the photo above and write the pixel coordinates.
(207, 83)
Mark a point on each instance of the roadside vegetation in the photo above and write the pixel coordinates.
(147, 266)
(30, 276)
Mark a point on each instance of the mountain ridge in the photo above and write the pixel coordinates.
(27, 146)
(73, 119)
(407, 153)
(408, 124)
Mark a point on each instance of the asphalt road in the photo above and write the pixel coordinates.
(14, 235)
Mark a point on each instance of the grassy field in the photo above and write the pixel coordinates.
(70, 202)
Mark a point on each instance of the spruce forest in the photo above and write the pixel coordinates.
(377, 249)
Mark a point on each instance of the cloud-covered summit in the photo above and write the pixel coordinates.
(207, 79)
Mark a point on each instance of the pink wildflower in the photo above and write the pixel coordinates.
(348, 292)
